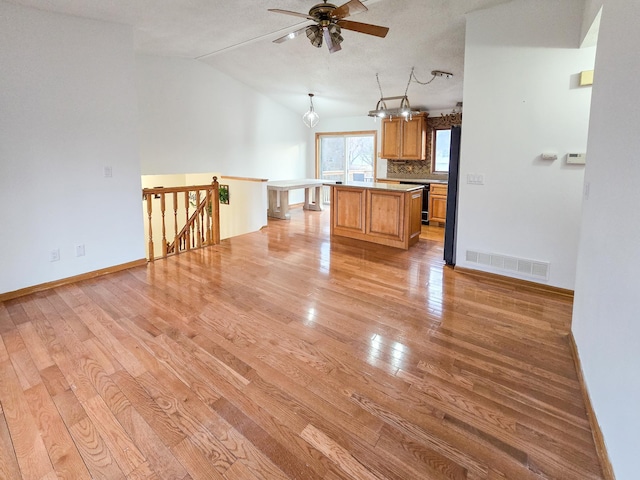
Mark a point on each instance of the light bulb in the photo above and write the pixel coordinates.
(310, 119)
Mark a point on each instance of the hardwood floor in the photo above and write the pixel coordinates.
(281, 355)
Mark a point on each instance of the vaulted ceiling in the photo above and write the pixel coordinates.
(236, 37)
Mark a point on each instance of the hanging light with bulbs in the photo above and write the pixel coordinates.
(405, 109)
(310, 118)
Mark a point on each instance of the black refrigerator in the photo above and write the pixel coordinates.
(452, 197)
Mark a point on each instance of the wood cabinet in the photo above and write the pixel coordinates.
(438, 203)
(404, 140)
(391, 138)
(385, 216)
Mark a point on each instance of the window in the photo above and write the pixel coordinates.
(346, 156)
(441, 146)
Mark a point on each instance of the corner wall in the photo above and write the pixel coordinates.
(521, 98)
(67, 110)
(606, 318)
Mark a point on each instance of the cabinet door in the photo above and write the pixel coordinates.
(437, 208)
(391, 138)
(348, 210)
(385, 214)
(416, 215)
(413, 139)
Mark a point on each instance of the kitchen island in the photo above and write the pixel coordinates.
(383, 213)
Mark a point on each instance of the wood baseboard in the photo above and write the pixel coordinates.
(517, 282)
(598, 438)
(76, 278)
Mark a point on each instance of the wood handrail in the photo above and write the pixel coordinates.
(181, 237)
(158, 190)
(201, 228)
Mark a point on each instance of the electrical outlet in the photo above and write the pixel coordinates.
(80, 250)
(54, 255)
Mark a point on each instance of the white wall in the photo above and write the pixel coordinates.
(606, 320)
(67, 110)
(521, 99)
(195, 119)
(247, 208)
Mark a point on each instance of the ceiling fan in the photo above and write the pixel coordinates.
(330, 20)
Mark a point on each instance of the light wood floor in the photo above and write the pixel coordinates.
(281, 355)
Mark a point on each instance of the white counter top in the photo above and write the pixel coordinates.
(295, 184)
(421, 181)
(378, 186)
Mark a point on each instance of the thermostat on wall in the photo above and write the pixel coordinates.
(576, 158)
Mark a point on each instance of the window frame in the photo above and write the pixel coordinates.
(434, 135)
(441, 122)
(358, 133)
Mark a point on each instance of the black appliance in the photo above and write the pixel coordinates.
(452, 197)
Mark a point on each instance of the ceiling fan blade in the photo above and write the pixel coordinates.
(364, 28)
(289, 12)
(333, 46)
(290, 35)
(350, 8)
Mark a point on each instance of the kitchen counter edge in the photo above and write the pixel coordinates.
(420, 181)
(378, 186)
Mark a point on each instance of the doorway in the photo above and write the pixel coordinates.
(346, 157)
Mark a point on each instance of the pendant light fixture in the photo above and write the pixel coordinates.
(310, 118)
(405, 109)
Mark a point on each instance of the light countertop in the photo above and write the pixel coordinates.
(421, 181)
(295, 184)
(379, 186)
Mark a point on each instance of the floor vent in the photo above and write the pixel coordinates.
(531, 268)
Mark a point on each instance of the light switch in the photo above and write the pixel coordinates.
(475, 179)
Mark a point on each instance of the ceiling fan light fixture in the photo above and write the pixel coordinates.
(330, 20)
(310, 118)
(335, 32)
(314, 34)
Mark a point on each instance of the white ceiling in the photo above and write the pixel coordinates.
(235, 37)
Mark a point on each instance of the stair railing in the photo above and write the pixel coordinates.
(202, 225)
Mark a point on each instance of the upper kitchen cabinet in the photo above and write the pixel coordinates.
(405, 140)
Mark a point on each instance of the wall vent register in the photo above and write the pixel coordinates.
(522, 266)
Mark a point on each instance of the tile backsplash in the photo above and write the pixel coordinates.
(412, 169)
